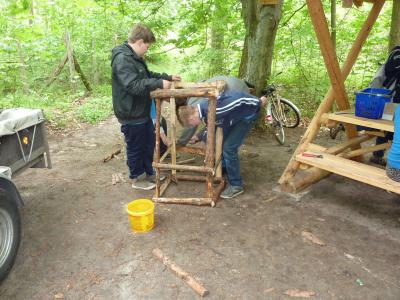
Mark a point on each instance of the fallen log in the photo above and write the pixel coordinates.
(194, 284)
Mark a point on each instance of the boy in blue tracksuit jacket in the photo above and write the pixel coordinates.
(236, 112)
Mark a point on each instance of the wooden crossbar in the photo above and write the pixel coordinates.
(352, 169)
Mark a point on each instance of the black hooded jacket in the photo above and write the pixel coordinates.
(131, 85)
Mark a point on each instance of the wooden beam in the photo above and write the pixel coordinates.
(189, 201)
(191, 150)
(57, 70)
(165, 184)
(354, 170)
(218, 84)
(172, 129)
(200, 169)
(210, 154)
(365, 150)
(218, 151)
(183, 93)
(156, 158)
(348, 144)
(348, 116)
(328, 52)
(326, 104)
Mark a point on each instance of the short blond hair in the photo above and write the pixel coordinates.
(184, 114)
(141, 32)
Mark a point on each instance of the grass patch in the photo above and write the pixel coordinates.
(95, 110)
(63, 110)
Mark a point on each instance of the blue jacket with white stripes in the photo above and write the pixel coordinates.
(232, 107)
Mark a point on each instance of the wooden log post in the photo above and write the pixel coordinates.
(57, 70)
(156, 158)
(190, 281)
(70, 62)
(172, 129)
(199, 169)
(184, 93)
(210, 155)
(326, 104)
(81, 74)
(218, 152)
(188, 201)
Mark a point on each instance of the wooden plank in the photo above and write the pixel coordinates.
(210, 154)
(348, 144)
(326, 104)
(165, 185)
(200, 169)
(218, 151)
(156, 158)
(315, 147)
(354, 170)
(189, 201)
(365, 150)
(218, 84)
(191, 150)
(172, 130)
(165, 154)
(183, 93)
(347, 116)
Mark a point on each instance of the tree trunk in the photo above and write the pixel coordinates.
(95, 68)
(333, 23)
(243, 60)
(32, 12)
(81, 74)
(216, 66)
(261, 23)
(70, 62)
(23, 71)
(394, 36)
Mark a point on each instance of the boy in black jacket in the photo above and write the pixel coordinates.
(131, 85)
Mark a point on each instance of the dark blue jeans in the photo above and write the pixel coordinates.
(233, 139)
(382, 140)
(140, 141)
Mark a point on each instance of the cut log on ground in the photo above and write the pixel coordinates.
(194, 284)
(112, 155)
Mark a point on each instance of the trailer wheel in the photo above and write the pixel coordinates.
(10, 233)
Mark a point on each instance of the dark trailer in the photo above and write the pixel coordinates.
(23, 145)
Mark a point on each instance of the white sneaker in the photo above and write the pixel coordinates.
(152, 178)
(142, 183)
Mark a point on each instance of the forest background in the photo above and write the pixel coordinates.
(196, 39)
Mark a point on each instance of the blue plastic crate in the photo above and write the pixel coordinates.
(370, 102)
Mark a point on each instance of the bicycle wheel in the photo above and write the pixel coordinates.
(286, 113)
(279, 133)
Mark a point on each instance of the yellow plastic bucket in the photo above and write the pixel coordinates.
(141, 215)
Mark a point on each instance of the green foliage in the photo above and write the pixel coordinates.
(32, 42)
(95, 109)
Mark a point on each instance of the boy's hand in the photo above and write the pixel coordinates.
(264, 101)
(167, 142)
(176, 78)
(166, 84)
(194, 139)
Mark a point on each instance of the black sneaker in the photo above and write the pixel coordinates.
(231, 191)
(378, 160)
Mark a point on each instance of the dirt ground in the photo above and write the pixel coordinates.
(77, 243)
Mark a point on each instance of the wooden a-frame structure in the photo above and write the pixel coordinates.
(212, 170)
(346, 158)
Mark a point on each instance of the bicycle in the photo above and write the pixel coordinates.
(280, 113)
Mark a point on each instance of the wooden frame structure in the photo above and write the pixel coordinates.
(343, 159)
(212, 170)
